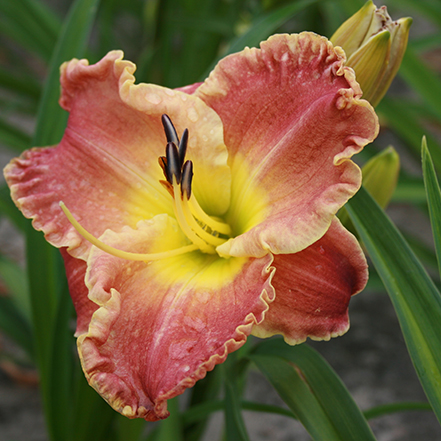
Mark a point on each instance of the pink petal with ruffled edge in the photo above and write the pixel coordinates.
(162, 325)
(313, 288)
(75, 272)
(292, 118)
(106, 169)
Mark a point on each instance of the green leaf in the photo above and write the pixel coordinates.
(8, 208)
(15, 325)
(429, 8)
(46, 274)
(51, 119)
(234, 373)
(171, 428)
(13, 137)
(387, 409)
(88, 409)
(31, 24)
(416, 299)
(433, 198)
(408, 127)
(203, 392)
(22, 84)
(263, 27)
(421, 79)
(16, 281)
(312, 390)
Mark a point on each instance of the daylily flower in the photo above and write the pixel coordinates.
(234, 235)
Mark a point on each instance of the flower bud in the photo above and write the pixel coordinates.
(380, 175)
(374, 46)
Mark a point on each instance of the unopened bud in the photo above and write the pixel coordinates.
(380, 175)
(374, 47)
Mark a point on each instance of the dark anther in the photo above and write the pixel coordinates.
(183, 146)
(169, 129)
(173, 162)
(187, 177)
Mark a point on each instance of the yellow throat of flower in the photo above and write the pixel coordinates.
(204, 232)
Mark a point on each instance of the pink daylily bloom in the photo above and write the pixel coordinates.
(248, 243)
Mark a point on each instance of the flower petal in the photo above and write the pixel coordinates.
(107, 161)
(313, 288)
(75, 272)
(162, 325)
(292, 119)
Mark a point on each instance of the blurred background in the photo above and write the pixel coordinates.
(175, 43)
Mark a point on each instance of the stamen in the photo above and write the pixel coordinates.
(124, 254)
(182, 221)
(197, 227)
(169, 129)
(205, 232)
(183, 146)
(173, 162)
(200, 214)
(187, 177)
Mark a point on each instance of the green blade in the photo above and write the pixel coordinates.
(416, 300)
(8, 208)
(235, 426)
(13, 137)
(51, 120)
(433, 198)
(14, 324)
(30, 24)
(46, 275)
(421, 79)
(263, 28)
(408, 128)
(312, 390)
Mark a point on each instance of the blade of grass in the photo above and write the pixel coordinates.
(433, 198)
(14, 277)
(262, 28)
(312, 390)
(421, 79)
(13, 137)
(428, 8)
(416, 300)
(8, 208)
(387, 409)
(44, 269)
(171, 428)
(408, 128)
(51, 119)
(203, 392)
(27, 23)
(234, 424)
(22, 84)
(15, 325)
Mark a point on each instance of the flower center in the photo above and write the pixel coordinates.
(203, 231)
